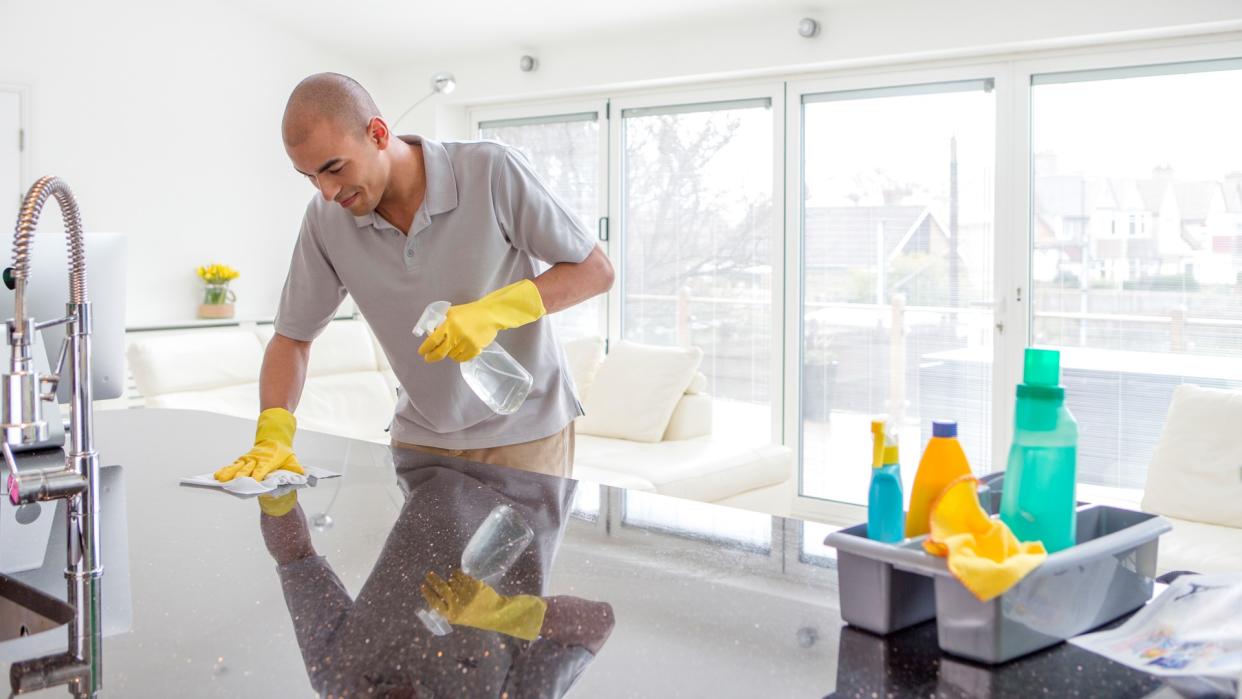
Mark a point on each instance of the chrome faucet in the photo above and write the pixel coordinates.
(77, 479)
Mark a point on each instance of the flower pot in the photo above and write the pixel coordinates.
(217, 302)
(215, 311)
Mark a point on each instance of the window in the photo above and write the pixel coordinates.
(1154, 143)
(897, 231)
(1121, 246)
(565, 152)
(698, 234)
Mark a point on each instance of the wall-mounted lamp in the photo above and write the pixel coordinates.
(441, 84)
(808, 28)
(528, 64)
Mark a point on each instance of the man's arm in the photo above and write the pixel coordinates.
(288, 537)
(568, 284)
(284, 373)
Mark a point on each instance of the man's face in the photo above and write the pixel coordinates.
(347, 168)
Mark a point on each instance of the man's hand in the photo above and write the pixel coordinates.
(273, 448)
(470, 327)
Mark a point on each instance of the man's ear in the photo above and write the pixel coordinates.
(377, 133)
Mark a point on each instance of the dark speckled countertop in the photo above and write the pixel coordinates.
(655, 597)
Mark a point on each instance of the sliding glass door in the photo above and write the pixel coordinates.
(699, 230)
(897, 248)
(567, 150)
(1136, 250)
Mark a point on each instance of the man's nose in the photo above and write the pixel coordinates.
(328, 189)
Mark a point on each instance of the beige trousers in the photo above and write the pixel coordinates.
(553, 455)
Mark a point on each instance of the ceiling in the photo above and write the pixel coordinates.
(383, 32)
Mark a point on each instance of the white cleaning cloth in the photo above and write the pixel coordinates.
(246, 485)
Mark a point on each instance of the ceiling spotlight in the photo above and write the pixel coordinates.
(808, 28)
(528, 64)
(443, 83)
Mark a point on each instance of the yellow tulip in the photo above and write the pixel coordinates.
(217, 273)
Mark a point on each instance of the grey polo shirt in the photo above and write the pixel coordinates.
(486, 222)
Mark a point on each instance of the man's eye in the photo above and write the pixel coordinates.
(337, 170)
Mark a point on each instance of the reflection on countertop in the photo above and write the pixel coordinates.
(374, 644)
(645, 595)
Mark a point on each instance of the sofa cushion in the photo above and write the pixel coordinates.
(691, 418)
(584, 356)
(1196, 470)
(238, 400)
(358, 405)
(1199, 547)
(636, 389)
(703, 469)
(194, 361)
(344, 346)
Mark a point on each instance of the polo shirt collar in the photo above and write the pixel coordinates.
(441, 195)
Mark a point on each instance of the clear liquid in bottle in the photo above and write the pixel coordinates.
(494, 376)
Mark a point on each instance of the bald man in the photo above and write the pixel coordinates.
(400, 222)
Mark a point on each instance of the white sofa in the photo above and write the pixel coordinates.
(351, 390)
(1195, 481)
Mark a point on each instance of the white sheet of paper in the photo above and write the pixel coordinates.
(1193, 628)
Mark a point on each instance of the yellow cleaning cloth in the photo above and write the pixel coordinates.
(982, 552)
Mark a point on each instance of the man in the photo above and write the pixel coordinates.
(400, 223)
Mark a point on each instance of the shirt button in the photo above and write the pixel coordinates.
(409, 253)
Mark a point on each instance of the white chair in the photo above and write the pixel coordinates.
(1195, 480)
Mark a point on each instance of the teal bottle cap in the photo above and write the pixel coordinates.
(1043, 367)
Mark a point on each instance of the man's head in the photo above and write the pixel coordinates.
(335, 137)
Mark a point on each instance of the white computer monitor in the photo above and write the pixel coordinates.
(47, 292)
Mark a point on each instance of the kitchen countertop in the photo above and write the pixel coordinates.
(651, 596)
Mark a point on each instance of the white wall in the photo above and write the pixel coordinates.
(853, 33)
(165, 118)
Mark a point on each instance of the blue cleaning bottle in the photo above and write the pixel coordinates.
(1037, 498)
(886, 521)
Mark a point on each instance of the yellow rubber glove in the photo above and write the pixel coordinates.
(466, 601)
(982, 552)
(280, 505)
(470, 327)
(273, 448)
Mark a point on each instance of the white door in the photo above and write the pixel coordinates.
(10, 158)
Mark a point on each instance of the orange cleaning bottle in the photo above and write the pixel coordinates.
(943, 461)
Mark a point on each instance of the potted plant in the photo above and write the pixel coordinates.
(217, 297)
